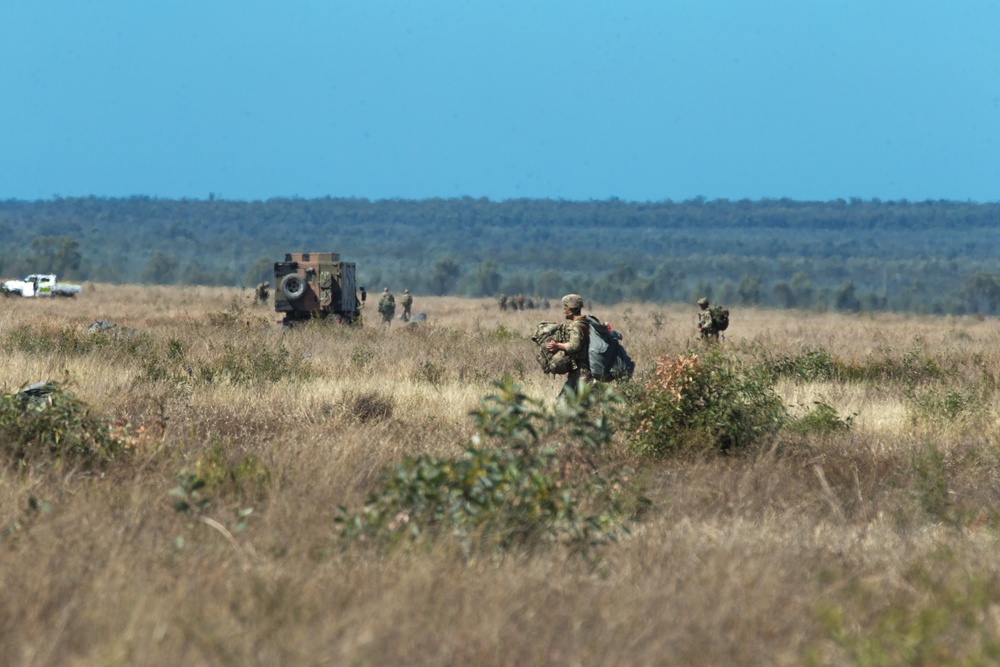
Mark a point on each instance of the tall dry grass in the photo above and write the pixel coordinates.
(871, 545)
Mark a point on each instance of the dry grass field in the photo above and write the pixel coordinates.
(870, 544)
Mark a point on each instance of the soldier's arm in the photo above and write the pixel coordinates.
(574, 343)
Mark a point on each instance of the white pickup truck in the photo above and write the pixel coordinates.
(39, 284)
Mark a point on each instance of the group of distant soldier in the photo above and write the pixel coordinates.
(387, 305)
(520, 302)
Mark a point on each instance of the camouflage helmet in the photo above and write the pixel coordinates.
(703, 302)
(573, 301)
(406, 291)
(385, 289)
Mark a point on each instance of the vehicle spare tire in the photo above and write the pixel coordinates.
(292, 286)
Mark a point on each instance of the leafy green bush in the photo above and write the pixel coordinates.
(54, 427)
(706, 400)
(821, 419)
(811, 365)
(527, 477)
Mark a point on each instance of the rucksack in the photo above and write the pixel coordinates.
(720, 318)
(608, 358)
(553, 363)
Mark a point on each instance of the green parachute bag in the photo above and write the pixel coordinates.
(552, 363)
(720, 318)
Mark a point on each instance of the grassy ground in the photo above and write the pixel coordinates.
(871, 545)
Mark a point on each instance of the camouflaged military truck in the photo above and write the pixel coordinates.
(315, 285)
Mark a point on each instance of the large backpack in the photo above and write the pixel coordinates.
(553, 363)
(608, 358)
(720, 318)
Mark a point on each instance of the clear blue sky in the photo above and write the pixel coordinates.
(577, 99)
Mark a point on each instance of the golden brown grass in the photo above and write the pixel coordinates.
(797, 552)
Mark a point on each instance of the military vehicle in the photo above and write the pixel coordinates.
(315, 285)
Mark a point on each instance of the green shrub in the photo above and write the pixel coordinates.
(527, 477)
(811, 365)
(947, 404)
(55, 427)
(226, 471)
(253, 364)
(821, 419)
(362, 356)
(706, 400)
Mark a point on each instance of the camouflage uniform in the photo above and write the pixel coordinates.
(502, 301)
(706, 327)
(407, 303)
(578, 349)
(577, 345)
(387, 306)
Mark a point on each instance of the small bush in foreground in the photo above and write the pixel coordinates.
(706, 400)
(55, 426)
(527, 477)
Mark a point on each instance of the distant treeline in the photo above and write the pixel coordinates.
(932, 256)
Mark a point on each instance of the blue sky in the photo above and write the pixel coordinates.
(643, 101)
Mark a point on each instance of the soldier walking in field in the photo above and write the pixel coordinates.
(387, 306)
(519, 301)
(407, 303)
(577, 345)
(707, 328)
(363, 295)
(502, 302)
(262, 292)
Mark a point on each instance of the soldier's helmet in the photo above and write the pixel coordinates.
(406, 291)
(573, 301)
(385, 289)
(703, 302)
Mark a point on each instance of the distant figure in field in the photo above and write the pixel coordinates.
(519, 301)
(577, 345)
(708, 328)
(387, 306)
(502, 302)
(363, 296)
(407, 303)
(263, 292)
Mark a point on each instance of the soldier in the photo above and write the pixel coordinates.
(407, 303)
(706, 327)
(502, 301)
(263, 292)
(519, 301)
(387, 306)
(577, 345)
(364, 295)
